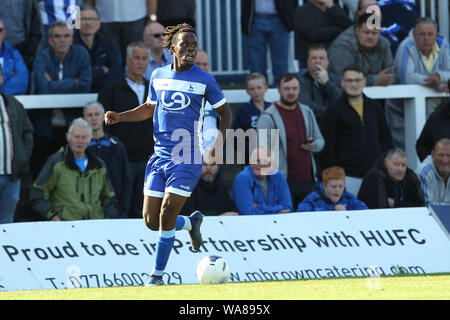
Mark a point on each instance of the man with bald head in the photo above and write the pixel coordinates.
(112, 151)
(159, 56)
(211, 117)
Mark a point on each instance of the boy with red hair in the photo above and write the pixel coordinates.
(330, 195)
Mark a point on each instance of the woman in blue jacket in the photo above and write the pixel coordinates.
(330, 195)
(258, 189)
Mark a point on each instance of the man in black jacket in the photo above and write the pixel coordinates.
(356, 130)
(318, 21)
(268, 23)
(391, 184)
(121, 95)
(16, 144)
(113, 153)
(436, 128)
(105, 57)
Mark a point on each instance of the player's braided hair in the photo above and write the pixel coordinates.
(171, 32)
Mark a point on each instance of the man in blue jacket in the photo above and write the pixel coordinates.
(15, 72)
(258, 189)
(62, 67)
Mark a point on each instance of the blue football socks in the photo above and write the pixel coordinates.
(163, 248)
(183, 223)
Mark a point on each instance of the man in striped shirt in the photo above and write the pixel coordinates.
(434, 174)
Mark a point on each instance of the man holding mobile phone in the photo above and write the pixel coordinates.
(299, 137)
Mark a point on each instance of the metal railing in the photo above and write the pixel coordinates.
(414, 97)
(219, 30)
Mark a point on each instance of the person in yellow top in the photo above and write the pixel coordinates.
(423, 58)
(356, 130)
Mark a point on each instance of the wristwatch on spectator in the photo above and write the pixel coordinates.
(152, 17)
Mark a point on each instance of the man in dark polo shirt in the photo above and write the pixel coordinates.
(299, 137)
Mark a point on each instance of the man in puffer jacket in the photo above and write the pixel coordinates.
(391, 184)
(74, 184)
(330, 195)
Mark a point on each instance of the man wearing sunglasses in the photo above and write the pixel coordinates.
(159, 56)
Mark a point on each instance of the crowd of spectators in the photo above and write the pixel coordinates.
(336, 149)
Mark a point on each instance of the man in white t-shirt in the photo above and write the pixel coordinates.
(210, 129)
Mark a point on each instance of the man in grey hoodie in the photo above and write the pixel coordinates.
(299, 137)
(363, 45)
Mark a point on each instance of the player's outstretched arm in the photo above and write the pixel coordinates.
(140, 113)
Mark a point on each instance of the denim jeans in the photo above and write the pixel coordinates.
(268, 30)
(9, 197)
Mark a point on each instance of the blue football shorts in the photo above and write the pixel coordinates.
(163, 175)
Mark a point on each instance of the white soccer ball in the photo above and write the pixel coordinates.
(213, 270)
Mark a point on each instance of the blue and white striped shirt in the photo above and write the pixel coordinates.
(56, 10)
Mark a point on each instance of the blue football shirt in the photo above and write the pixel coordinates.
(180, 98)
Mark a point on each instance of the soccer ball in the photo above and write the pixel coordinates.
(213, 270)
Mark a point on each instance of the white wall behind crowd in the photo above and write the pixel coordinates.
(414, 98)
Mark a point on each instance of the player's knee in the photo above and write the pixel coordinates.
(150, 223)
(152, 226)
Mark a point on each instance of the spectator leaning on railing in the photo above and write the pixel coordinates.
(61, 67)
(423, 58)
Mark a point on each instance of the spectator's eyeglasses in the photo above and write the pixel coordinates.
(88, 19)
(357, 81)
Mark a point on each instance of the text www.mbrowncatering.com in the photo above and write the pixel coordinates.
(325, 273)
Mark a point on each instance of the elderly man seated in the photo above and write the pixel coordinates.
(74, 184)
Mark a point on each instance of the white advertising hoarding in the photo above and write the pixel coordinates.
(101, 253)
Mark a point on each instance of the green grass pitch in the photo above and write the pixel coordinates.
(436, 287)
